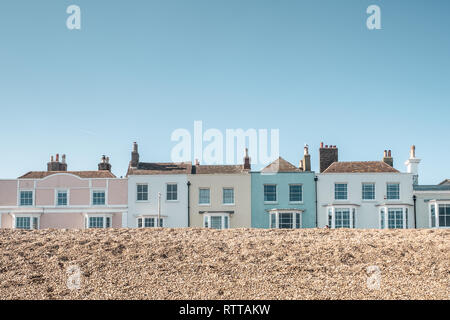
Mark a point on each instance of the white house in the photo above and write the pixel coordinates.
(370, 194)
(157, 190)
(433, 205)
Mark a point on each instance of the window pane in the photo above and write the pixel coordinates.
(142, 192)
(285, 221)
(444, 215)
(340, 191)
(26, 198)
(203, 196)
(62, 198)
(95, 222)
(228, 195)
(295, 193)
(368, 191)
(23, 223)
(342, 218)
(270, 193)
(273, 220)
(216, 222)
(433, 216)
(172, 192)
(98, 198)
(395, 218)
(393, 191)
(139, 223)
(297, 220)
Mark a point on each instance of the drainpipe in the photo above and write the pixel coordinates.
(189, 204)
(315, 185)
(415, 214)
(159, 209)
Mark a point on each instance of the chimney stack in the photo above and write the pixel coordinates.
(134, 156)
(104, 164)
(387, 158)
(56, 165)
(306, 163)
(412, 165)
(327, 156)
(247, 164)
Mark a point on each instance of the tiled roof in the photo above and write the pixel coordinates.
(81, 174)
(445, 182)
(220, 169)
(146, 168)
(280, 165)
(360, 167)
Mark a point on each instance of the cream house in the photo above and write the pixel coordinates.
(220, 196)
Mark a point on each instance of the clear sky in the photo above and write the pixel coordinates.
(138, 70)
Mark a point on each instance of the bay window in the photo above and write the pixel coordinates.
(216, 221)
(341, 217)
(393, 217)
(282, 219)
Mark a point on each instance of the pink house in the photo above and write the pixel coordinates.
(59, 199)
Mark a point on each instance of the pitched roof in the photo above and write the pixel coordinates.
(81, 174)
(220, 169)
(147, 168)
(445, 182)
(360, 167)
(280, 165)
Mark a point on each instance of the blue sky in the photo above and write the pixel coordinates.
(137, 70)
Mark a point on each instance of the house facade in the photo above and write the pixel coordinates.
(220, 196)
(284, 196)
(58, 198)
(369, 194)
(157, 192)
(433, 205)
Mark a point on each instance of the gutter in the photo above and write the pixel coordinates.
(315, 184)
(189, 203)
(415, 212)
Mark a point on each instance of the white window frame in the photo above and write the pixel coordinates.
(223, 196)
(97, 191)
(56, 198)
(167, 191)
(399, 191)
(207, 219)
(346, 193)
(32, 198)
(155, 221)
(276, 193)
(148, 191)
(294, 213)
(98, 215)
(405, 212)
(204, 204)
(31, 216)
(352, 211)
(374, 191)
(436, 204)
(289, 190)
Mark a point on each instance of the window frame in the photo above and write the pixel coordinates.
(223, 196)
(276, 193)
(296, 218)
(374, 191)
(32, 218)
(387, 191)
(346, 191)
(58, 191)
(331, 216)
(224, 221)
(139, 184)
(199, 196)
(155, 220)
(98, 191)
(20, 198)
(301, 193)
(383, 216)
(167, 191)
(437, 204)
(105, 218)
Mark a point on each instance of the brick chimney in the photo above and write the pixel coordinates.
(387, 158)
(134, 156)
(327, 156)
(247, 164)
(104, 164)
(306, 163)
(56, 165)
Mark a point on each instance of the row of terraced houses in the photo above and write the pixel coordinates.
(370, 194)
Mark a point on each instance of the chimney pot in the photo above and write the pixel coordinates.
(321, 144)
